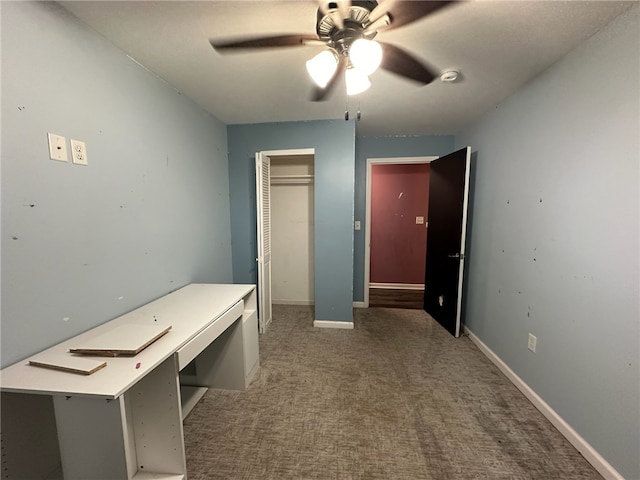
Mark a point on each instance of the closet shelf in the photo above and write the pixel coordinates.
(291, 179)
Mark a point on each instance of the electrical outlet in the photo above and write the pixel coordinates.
(79, 152)
(57, 147)
(531, 343)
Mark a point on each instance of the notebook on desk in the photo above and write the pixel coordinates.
(125, 340)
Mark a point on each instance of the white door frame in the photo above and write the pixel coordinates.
(367, 225)
(261, 287)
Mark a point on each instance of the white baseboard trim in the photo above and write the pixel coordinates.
(332, 324)
(398, 286)
(586, 450)
(359, 305)
(292, 302)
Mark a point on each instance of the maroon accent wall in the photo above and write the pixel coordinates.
(399, 194)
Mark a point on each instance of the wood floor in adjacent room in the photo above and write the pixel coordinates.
(395, 398)
(396, 298)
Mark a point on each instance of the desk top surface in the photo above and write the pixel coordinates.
(188, 310)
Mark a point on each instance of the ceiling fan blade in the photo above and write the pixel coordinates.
(400, 62)
(322, 94)
(381, 10)
(223, 46)
(403, 12)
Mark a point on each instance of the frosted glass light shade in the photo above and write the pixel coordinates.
(356, 80)
(365, 55)
(322, 67)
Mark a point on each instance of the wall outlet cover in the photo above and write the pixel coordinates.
(79, 152)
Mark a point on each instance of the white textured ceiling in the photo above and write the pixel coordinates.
(497, 45)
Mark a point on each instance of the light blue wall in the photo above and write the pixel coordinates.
(554, 249)
(150, 213)
(334, 144)
(381, 147)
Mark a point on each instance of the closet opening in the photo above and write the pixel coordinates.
(292, 230)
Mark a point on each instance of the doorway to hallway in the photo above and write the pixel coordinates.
(395, 231)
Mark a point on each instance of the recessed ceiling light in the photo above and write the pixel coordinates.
(449, 76)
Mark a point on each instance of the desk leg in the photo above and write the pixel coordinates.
(29, 439)
(251, 345)
(138, 435)
(157, 421)
(92, 436)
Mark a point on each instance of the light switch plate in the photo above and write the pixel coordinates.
(57, 147)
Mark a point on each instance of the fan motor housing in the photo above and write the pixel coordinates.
(354, 23)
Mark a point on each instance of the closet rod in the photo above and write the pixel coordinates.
(291, 179)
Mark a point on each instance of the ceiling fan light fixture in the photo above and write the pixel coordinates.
(365, 55)
(357, 81)
(322, 67)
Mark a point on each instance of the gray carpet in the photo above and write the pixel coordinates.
(395, 398)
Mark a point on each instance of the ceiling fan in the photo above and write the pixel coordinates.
(347, 28)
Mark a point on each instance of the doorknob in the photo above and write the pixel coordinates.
(457, 255)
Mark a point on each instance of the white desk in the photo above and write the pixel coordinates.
(125, 420)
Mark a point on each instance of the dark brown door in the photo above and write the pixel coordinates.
(446, 232)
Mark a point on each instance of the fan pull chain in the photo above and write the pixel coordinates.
(346, 110)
